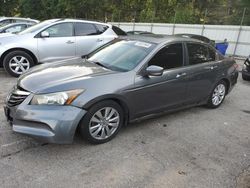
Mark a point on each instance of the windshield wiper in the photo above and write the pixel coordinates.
(101, 64)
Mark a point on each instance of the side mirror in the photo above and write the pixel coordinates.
(45, 34)
(154, 70)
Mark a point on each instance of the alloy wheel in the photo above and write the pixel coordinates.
(218, 94)
(104, 123)
(19, 64)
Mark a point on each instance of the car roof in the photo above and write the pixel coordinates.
(190, 35)
(77, 20)
(160, 39)
(18, 18)
(19, 23)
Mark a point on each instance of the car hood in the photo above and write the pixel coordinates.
(52, 75)
(6, 34)
(9, 38)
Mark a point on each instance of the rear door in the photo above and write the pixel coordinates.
(59, 45)
(202, 71)
(88, 38)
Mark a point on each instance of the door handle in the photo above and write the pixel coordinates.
(181, 75)
(99, 40)
(70, 42)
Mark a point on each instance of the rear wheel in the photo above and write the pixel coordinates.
(17, 62)
(102, 122)
(244, 77)
(218, 95)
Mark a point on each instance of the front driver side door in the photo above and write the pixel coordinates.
(152, 94)
(59, 45)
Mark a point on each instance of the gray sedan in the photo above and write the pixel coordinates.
(120, 82)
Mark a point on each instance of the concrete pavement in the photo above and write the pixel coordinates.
(197, 147)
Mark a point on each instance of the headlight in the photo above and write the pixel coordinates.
(59, 98)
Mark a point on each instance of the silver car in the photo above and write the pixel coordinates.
(15, 27)
(119, 83)
(52, 40)
(8, 20)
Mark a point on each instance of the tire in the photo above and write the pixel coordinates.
(219, 91)
(244, 77)
(94, 126)
(17, 62)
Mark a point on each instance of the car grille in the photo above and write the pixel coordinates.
(17, 96)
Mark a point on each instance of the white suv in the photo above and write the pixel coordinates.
(53, 40)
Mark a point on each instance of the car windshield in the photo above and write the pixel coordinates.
(36, 27)
(122, 55)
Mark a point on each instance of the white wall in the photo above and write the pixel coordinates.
(214, 32)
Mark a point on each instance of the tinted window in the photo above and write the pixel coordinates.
(212, 54)
(169, 57)
(83, 29)
(197, 53)
(101, 28)
(118, 31)
(61, 30)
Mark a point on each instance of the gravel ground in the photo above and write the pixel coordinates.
(197, 147)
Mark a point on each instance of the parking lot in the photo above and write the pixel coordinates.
(197, 147)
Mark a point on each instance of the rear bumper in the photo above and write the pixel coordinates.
(50, 124)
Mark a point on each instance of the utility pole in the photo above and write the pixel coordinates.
(240, 29)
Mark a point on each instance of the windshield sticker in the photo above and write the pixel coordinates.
(143, 44)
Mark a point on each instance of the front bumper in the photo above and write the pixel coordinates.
(50, 124)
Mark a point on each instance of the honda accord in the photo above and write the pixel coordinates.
(123, 81)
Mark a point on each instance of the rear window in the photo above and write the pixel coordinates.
(118, 31)
(197, 53)
(83, 29)
(101, 28)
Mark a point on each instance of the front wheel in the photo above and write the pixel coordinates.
(102, 122)
(218, 95)
(17, 62)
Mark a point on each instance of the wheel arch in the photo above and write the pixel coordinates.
(18, 49)
(227, 84)
(116, 98)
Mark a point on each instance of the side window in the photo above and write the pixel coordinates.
(169, 57)
(197, 53)
(14, 29)
(5, 22)
(101, 28)
(61, 30)
(212, 54)
(83, 29)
